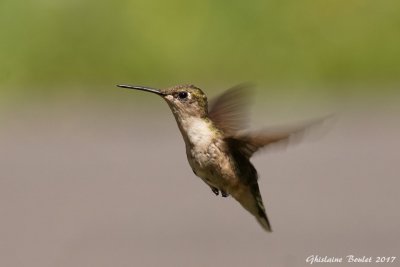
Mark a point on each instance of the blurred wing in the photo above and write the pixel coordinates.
(229, 111)
(249, 143)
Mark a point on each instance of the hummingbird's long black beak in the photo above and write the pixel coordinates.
(142, 88)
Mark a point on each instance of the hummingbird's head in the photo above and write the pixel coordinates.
(184, 100)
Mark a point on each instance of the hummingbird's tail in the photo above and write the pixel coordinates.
(250, 198)
(260, 214)
(263, 221)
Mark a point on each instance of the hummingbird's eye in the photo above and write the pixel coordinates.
(182, 95)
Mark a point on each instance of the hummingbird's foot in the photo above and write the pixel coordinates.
(224, 194)
(215, 191)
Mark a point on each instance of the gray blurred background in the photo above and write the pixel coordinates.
(93, 175)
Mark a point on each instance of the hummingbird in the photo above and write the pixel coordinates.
(218, 146)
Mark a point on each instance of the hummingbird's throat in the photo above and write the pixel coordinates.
(198, 131)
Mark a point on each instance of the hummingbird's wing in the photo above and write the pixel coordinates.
(242, 146)
(249, 142)
(229, 110)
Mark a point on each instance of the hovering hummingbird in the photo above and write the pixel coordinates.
(217, 146)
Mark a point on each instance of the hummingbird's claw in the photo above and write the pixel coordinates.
(224, 194)
(215, 191)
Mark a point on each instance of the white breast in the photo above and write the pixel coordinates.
(199, 132)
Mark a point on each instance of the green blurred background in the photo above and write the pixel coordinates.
(52, 47)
